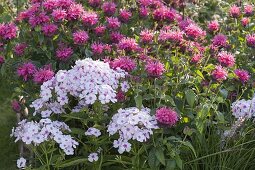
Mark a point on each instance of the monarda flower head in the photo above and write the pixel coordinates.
(43, 74)
(94, 3)
(8, 31)
(64, 52)
(250, 40)
(97, 48)
(80, 37)
(124, 15)
(219, 73)
(113, 23)
(146, 36)
(219, 40)
(128, 44)
(19, 49)
(89, 18)
(154, 68)
(248, 10)
(49, 29)
(166, 116)
(193, 31)
(59, 14)
(234, 11)
(75, 12)
(109, 8)
(213, 26)
(226, 59)
(124, 63)
(100, 30)
(242, 75)
(245, 21)
(26, 70)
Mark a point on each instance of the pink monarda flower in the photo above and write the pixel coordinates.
(109, 8)
(196, 58)
(143, 12)
(97, 48)
(171, 35)
(63, 53)
(166, 116)
(219, 40)
(89, 18)
(154, 68)
(116, 36)
(124, 15)
(125, 63)
(64, 4)
(113, 23)
(219, 73)
(19, 49)
(94, 3)
(184, 23)
(250, 40)
(248, 10)
(16, 106)
(213, 26)
(38, 19)
(120, 96)
(80, 37)
(170, 15)
(49, 5)
(159, 14)
(43, 74)
(1, 60)
(234, 11)
(59, 14)
(26, 70)
(8, 31)
(226, 59)
(245, 21)
(128, 44)
(100, 30)
(193, 31)
(146, 36)
(75, 12)
(242, 75)
(49, 29)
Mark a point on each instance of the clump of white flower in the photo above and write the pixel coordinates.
(243, 108)
(21, 163)
(45, 130)
(131, 124)
(93, 132)
(93, 157)
(88, 81)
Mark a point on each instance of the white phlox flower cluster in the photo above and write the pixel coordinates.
(93, 132)
(21, 163)
(88, 81)
(131, 123)
(45, 130)
(244, 108)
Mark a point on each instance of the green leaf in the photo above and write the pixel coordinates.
(152, 160)
(72, 162)
(139, 101)
(170, 165)
(188, 144)
(190, 97)
(160, 155)
(178, 162)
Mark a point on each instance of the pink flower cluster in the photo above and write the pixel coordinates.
(166, 116)
(8, 31)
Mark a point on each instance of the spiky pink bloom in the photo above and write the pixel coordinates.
(26, 70)
(116, 36)
(234, 11)
(219, 73)
(75, 12)
(125, 63)
(213, 26)
(64, 4)
(49, 29)
(159, 14)
(80, 37)
(170, 35)
(184, 23)
(166, 116)
(242, 75)
(63, 53)
(146, 36)
(38, 19)
(124, 15)
(59, 14)
(219, 40)
(1, 60)
(16, 106)
(89, 18)
(245, 21)
(194, 31)
(43, 74)
(49, 5)
(143, 12)
(99, 30)
(145, 2)
(128, 44)
(250, 40)
(248, 10)
(226, 59)
(97, 48)
(94, 3)
(113, 23)
(196, 58)
(109, 8)
(19, 49)
(8, 31)
(154, 68)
